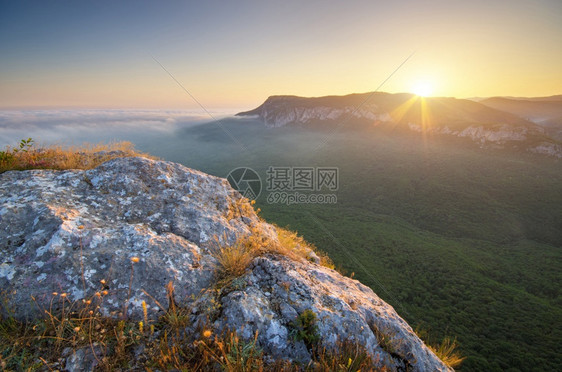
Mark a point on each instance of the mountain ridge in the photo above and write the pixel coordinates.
(545, 112)
(486, 126)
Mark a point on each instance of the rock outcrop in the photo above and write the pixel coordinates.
(119, 233)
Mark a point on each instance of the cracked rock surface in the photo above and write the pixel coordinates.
(80, 233)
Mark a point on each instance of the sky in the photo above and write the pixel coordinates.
(234, 54)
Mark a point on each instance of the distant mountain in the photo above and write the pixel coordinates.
(557, 97)
(483, 124)
(544, 111)
(278, 111)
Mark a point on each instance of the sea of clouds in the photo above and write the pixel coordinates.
(74, 127)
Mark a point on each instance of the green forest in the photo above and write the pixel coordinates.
(462, 241)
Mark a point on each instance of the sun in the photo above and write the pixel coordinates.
(422, 88)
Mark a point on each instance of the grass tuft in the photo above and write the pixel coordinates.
(446, 350)
(448, 353)
(234, 259)
(295, 244)
(87, 156)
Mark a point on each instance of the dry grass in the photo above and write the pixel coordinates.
(448, 353)
(87, 156)
(351, 357)
(234, 259)
(241, 207)
(292, 244)
(446, 350)
(33, 345)
(234, 354)
(164, 345)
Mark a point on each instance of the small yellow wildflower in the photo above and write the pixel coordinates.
(135, 259)
(144, 311)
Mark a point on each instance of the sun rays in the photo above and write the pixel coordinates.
(415, 113)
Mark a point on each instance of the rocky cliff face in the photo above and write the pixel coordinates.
(447, 116)
(278, 111)
(118, 234)
(532, 139)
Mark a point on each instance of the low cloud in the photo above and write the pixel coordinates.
(70, 127)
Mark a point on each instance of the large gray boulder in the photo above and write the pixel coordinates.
(67, 231)
(119, 233)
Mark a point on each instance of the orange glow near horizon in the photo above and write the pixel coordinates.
(64, 59)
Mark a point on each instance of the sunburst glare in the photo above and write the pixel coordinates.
(422, 88)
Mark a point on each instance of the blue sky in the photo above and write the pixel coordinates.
(235, 54)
